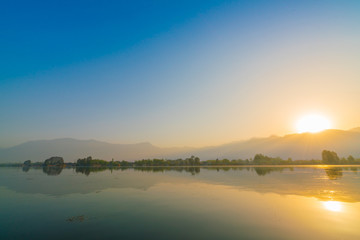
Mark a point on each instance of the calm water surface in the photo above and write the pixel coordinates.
(180, 203)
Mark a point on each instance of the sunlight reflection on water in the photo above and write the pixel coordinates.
(210, 203)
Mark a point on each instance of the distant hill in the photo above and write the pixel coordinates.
(304, 146)
(72, 149)
(355, 129)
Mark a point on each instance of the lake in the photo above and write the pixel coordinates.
(180, 203)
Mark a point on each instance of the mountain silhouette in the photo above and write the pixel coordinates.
(304, 146)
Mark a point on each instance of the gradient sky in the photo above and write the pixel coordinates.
(184, 73)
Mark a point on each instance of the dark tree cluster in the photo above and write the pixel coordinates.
(89, 162)
(331, 158)
(192, 161)
(225, 161)
(260, 159)
(54, 161)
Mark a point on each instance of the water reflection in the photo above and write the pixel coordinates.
(192, 170)
(171, 203)
(26, 168)
(324, 183)
(262, 171)
(53, 171)
(88, 170)
(333, 173)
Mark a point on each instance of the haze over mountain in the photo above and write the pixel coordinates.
(304, 146)
(355, 129)
(72, 149)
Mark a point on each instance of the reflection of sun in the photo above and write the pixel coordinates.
(312, 123)
(333, 206)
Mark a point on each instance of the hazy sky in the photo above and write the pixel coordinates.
(175, 73)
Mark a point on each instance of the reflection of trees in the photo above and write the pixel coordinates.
(225, 169)
(262, 171)
(26, 168)
(88, 170)
(192, 170)
(52, 171)
(334, 173)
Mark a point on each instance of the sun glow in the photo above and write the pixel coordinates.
(333, 206)
(312, 123)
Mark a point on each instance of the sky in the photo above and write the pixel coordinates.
(175, 73)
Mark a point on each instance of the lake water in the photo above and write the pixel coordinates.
(180, 203)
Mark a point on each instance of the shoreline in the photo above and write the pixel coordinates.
(197, 166)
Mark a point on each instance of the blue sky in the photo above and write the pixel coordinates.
(172, 73)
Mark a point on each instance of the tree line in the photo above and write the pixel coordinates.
(331, 157)
(328, 157)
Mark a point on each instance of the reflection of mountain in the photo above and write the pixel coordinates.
(309, 182)
(338, 184)
(297, 146)
(70, 182)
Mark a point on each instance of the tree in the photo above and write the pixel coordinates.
(351, 159)
(197, 161)
(27, 163)
(259, 159)
(329, 157)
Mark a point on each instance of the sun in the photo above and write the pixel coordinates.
(312, 123)
(333, 206)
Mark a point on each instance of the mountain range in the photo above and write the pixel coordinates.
(304, 146)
